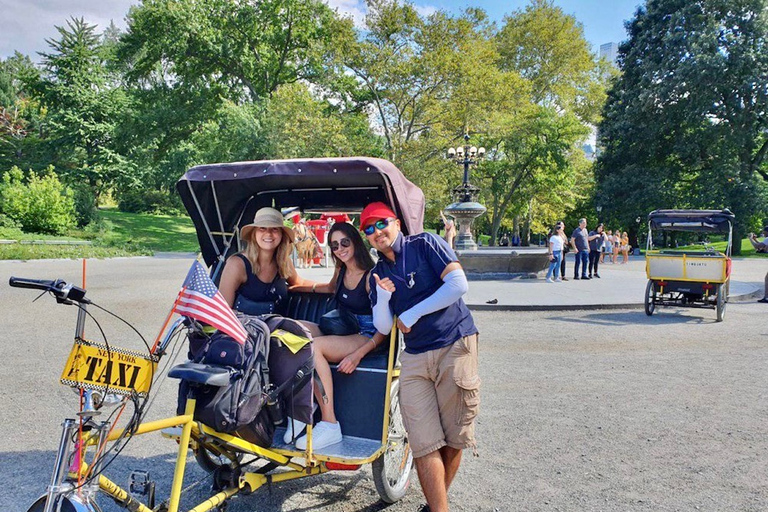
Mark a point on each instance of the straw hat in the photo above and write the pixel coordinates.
(266, 218)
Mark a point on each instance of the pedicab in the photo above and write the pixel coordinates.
(220, 198)
(693, 278)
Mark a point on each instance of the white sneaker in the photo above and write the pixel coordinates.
(323, 434)
(558, 280)
(290, 423)
(549, 280)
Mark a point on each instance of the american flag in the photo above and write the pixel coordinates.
(200, 299)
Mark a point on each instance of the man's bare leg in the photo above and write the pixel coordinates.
(451, 460)
(432, 477)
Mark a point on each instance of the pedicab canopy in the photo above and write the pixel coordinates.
(221, 198)
(720, 221)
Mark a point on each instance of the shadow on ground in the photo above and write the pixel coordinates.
(32, 471)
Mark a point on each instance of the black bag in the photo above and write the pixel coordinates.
(230, 407)
(339, 322)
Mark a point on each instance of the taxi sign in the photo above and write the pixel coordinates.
(119, 371)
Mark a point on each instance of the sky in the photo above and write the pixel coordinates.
(28, 23)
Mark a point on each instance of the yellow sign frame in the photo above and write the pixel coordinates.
(115, 370)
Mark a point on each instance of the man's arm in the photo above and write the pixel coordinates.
(453, 288)
(380, 294)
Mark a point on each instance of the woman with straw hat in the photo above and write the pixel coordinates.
(255, 282)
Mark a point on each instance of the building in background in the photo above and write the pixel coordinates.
(609, 51)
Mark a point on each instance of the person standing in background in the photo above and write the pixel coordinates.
(596, 239)
(566, 248)
(450, 229)
(580, 244)
(555, 254)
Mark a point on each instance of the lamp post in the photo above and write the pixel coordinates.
(465, 207)
(599, 209)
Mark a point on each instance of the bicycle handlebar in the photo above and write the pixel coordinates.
(64, 292)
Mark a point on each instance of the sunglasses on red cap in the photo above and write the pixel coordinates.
(379, 224)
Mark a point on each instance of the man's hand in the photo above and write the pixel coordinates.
(401, 326)
(385, 284)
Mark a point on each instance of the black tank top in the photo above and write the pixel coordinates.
(357, 300)
(258, 291)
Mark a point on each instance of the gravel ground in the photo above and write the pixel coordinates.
(582, 411)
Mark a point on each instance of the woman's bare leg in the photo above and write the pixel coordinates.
(332, 349)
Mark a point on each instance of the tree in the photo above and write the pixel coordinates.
(82, 107)
(243, 50)
(534, 144)
(685, 123)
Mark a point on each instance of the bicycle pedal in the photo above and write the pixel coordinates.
(140, 482)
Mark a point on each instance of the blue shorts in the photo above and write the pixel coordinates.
(367, 328)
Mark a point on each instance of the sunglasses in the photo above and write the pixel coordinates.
(379, 224)
(344, 242)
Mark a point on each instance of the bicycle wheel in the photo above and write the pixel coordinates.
(68, 503)
(650, 298)
(721, 300)
(211, 458)
(392, 470)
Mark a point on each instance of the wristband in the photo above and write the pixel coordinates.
(372, 341)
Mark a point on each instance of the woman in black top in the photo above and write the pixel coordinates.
(261, 275)
(350, 286)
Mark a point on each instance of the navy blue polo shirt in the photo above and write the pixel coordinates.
(419, 262)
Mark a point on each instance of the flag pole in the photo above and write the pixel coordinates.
(167, 320)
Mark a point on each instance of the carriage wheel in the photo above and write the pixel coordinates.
(721, 300)
(650, 298)
(392, 470)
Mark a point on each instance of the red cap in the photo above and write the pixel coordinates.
(376, 211)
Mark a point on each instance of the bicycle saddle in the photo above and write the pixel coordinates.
(206, 374)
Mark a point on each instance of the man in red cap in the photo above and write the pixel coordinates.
(419, 279)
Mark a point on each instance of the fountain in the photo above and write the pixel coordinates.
(487, 262)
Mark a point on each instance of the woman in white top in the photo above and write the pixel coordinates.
(607, 246)
(555, 254)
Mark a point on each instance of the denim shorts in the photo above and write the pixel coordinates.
(366, 325)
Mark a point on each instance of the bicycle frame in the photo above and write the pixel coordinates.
(192, 434)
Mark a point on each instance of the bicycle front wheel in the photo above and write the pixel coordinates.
(66, 503)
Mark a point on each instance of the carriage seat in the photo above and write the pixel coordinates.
(359, 396)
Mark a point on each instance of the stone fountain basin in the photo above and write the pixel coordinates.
(504, 262)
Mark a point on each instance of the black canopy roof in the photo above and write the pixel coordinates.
(692, 220)
(222, 197)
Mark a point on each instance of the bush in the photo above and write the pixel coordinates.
(39, 203)
(85, 204)
(148, 201)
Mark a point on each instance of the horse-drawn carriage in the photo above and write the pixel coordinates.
(220, 199)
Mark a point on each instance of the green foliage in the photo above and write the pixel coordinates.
(83, 106)
(148, 201)
(85, 204)
(39, 203)
(684, 125)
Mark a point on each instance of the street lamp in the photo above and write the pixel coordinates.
(599, 209)
(465, 208)
(464, 155)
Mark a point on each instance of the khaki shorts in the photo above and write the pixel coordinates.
(440, 396)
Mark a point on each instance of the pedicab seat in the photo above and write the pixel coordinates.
(359, 396)
(205, 374)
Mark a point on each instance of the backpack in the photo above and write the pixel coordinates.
(230, 407)
(240, 406)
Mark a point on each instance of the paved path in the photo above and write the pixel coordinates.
(619, 286)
